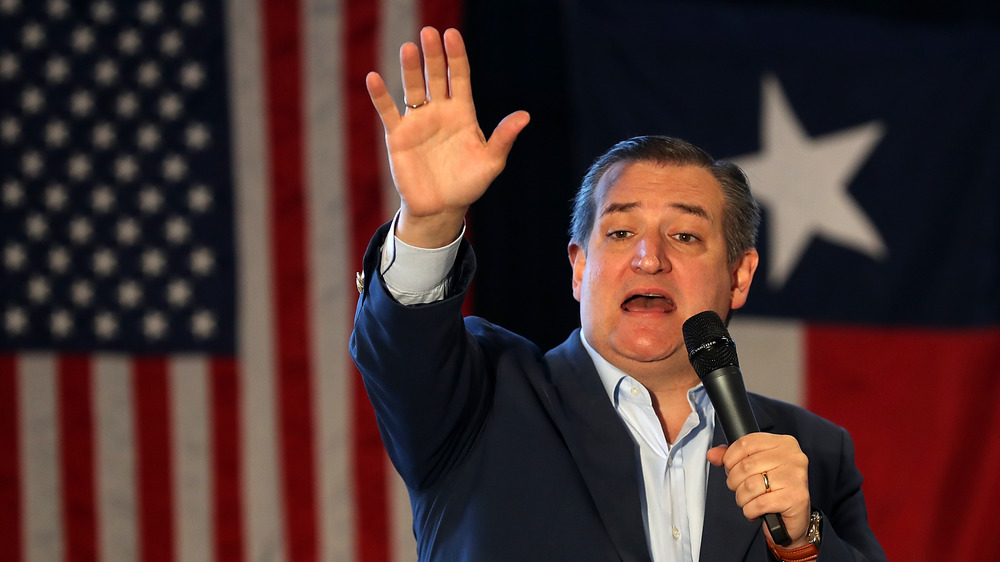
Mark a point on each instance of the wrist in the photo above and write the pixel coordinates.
(429, 232)
(808, 551)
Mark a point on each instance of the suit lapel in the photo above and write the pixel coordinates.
(600, 443)
(727, 535)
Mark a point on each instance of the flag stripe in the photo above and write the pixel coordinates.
(77, 453)
(227, 507)
(188, 381)
(283, 52)
(10, 456)
(116, 463)
(364, 187)
(153, 446)
(40, 460)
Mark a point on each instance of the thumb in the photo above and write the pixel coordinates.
(502, 139)
(715, 454)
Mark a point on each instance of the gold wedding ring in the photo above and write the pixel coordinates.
(767, 483)
(415, 105)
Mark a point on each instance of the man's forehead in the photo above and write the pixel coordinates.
(695, 179)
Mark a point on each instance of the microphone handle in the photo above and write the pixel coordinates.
(729, 398)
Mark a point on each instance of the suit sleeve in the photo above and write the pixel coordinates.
(425, 375)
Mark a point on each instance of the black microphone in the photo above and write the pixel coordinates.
(713, 355)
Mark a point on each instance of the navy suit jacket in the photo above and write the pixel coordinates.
(510, 454)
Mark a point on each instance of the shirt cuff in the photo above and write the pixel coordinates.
(416, 275)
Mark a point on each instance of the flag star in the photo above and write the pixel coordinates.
(171, 43)
(150, 11)
(154, 325)
(61, 323)
(102, 199)
(803, 182)
(10, 130)
(170, 106)
(56, 70)
(202, 261)
(13, 193)
(104, 262)
(196, 136)
(203, 324)
(199, 198)
(58, 8)
(15, 321)
(153, 262)
(174, 168)
(129, 41)
(81, 103)
(39, 289)
(32, 100)
(127, 231)
(82, 39)
(36, 226)
(33, 35)
(177, 230)
(32, 163)
(148, 137)
(59, 259)
(55, 197)
(9, 66)
(82, 293)
(14, 256)
(10, 6)
(78, 167)
(150, 200)
(102, 11)
(127, 105)
(106, 72)
(192, 12)
(126, 168)
(106, 325)
(192, 75)
(80, 230)
(129, 294)
(149, 74)
(179, 293)
(104, 135)
(56, 133)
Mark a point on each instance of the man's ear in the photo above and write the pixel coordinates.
(578, 260)
(742, 276)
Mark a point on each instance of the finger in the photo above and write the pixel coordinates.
(716, 454)
(502, 139)
(413, 77)
(382, 101)
(460, 85)
(435, 66)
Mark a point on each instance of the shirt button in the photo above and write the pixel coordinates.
(670, 461)
(635, 391)
(677, 533)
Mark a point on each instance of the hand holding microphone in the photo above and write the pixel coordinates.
(767, 472)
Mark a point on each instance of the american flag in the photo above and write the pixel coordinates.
(187, 189)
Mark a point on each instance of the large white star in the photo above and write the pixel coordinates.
(803, 183)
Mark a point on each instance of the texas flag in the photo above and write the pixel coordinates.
(874, 150)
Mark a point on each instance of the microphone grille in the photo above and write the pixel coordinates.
(708, 343)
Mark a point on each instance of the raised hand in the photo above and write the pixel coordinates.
(441, 161)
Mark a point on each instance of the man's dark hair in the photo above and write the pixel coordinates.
(740, 212)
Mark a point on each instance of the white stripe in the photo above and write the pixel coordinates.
(264, 531)
(331, 283)
(114, 444)
(189, 421)
(42, 494)
(771, 356)
(399, 24)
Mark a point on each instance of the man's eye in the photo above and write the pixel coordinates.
(619, 234)
(685, 237)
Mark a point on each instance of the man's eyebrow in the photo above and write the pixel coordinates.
(696, 210)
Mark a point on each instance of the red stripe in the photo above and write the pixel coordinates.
(909, 397)
(441, 14)
(283, 61)
(76, 447)
(364, 137)
(226, 468)
(10, 458)
(154, 463)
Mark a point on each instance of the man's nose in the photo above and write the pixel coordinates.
(649, 256)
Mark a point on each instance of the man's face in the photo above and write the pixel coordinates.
(656, 256)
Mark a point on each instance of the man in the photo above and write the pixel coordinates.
(605, 448)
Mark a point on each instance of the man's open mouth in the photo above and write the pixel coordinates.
(648, 303)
